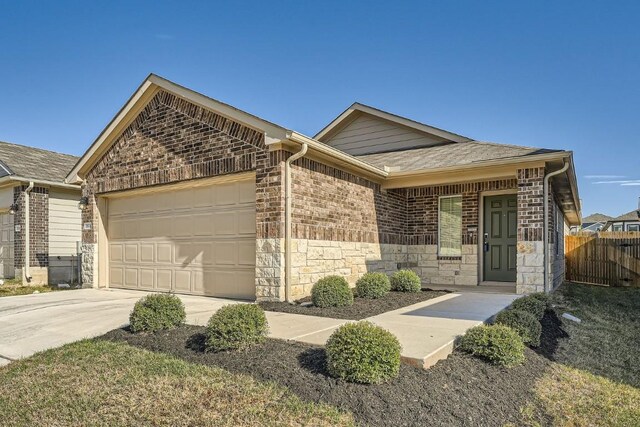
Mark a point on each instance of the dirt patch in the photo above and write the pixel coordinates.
(459, 391)
(361, 308)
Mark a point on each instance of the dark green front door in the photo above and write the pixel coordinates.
(500, 231)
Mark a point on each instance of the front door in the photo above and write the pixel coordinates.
(500, 231)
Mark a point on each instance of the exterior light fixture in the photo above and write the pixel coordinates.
(13, 209)
(84, 201)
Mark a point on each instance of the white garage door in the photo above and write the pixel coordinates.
(195, 241)
(7, 269)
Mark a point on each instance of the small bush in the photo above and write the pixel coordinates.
(373, 285)
(545, 298)
(363, 353)
(235, 327)
(157, 312)
(524, 323)
(530, 304)
(498, 344)
(331, 291)
(406, 281)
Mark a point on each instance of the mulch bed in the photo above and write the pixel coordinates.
(459, 391)
(361, 308)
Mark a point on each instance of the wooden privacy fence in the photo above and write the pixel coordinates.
(606, 258)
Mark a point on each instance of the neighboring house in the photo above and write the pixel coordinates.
(593, 223)
(625, 222)
(32, 180)
(192, 195)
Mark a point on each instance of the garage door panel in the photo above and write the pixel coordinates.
(116, 252)
(199, 240)
(147, 278)
(164, 279)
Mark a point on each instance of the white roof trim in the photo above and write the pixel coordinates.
(361, 108)
(143, 95)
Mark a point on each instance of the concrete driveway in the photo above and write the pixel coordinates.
(32, 323)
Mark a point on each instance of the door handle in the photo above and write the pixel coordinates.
(485, 244)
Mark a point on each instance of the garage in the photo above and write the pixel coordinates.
(195, 238)
(6, 246)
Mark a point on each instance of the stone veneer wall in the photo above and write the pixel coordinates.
(173, 140)
(38, 233)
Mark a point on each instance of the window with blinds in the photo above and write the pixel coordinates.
(450, 226)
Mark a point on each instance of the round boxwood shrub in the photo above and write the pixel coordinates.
(363, 353)
(499, 344)
(406, 281)
(157, 312)
(235, 327)
(530, 304)
(373, 285)
(331, 291)
(545, 298)
(524, 323)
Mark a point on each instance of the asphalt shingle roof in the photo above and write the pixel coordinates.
(596, 217)
(451, 154)
(629, 216)
(36, 163)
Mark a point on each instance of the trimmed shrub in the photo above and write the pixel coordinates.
(373, 285)
(332, 291)
(406, 281)
(363, 353)
(235, 327)
(524, 323)
(157, 312)
(545, 298)
(499, 344)
(530, 304)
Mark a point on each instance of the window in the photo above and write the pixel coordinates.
(633, 227)
(450, 226)
(617, 227)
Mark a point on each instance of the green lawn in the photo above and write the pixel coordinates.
(596, 379)
(14, 287)
(96, 382)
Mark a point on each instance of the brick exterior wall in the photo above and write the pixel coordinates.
(331, 204)
(530, 204)
(38, 227)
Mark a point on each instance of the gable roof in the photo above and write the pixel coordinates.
(447, 155)
(34, 163)
(149, 87)
(596, 217)
(629, 216)
(357, 109)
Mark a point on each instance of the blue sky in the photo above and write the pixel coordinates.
(546, 74)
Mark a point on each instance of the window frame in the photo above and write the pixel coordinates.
(440, 254)
(635, 226)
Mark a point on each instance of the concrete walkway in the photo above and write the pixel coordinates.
(426, 330)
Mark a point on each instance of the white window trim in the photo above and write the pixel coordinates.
(440, 223)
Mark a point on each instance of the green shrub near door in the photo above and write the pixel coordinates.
(236, 327)
(524, 323)
(373, 285)
(406, 281)
(332, 291)
(530, 304)
(497, 344)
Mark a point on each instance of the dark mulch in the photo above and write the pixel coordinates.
(459, 391)
(551, 336)
(361, 308)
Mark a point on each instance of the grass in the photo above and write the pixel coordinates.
(596, 378)
(607, 341)
(14, 287)
(95, 382)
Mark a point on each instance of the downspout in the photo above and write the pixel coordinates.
(545, 231)
(287, 220)
(27, 210)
